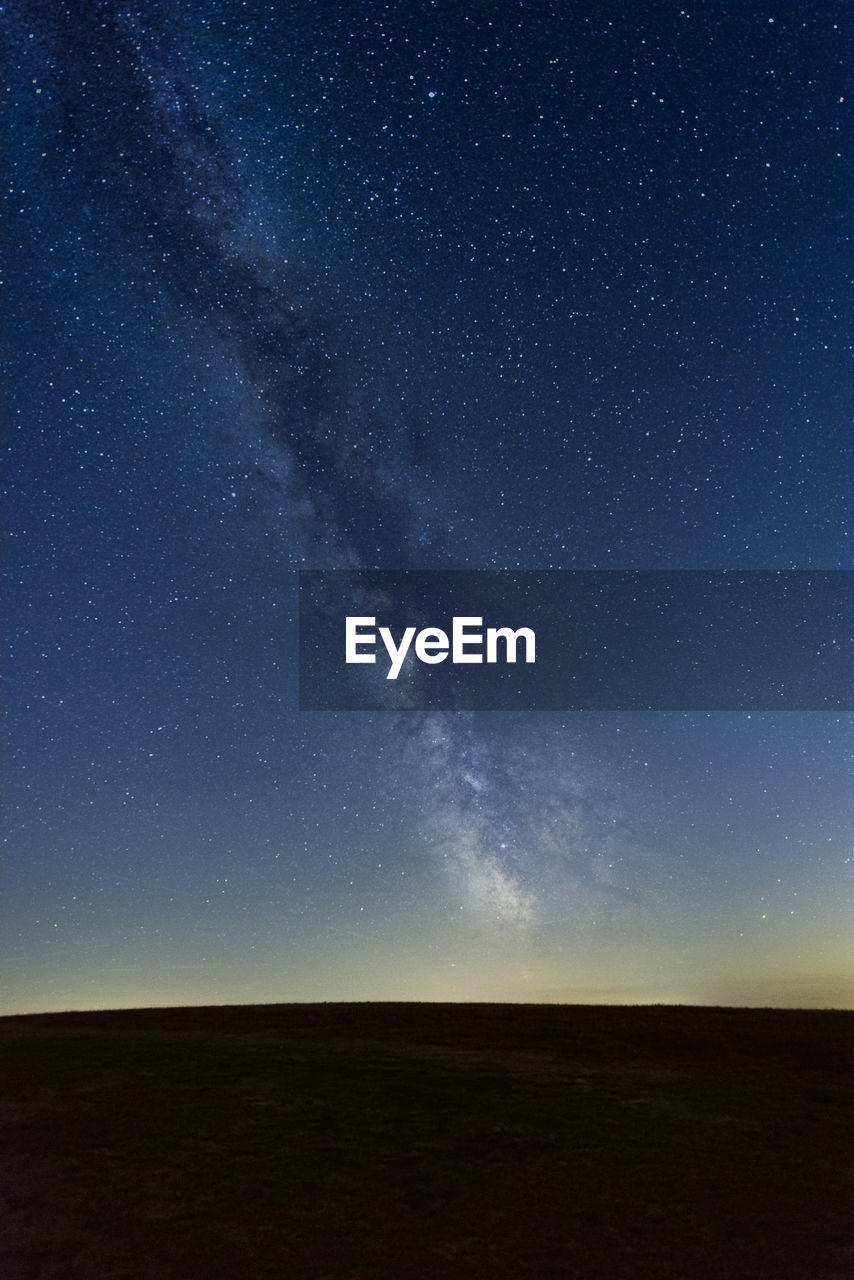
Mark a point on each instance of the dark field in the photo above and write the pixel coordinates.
(393, 1140)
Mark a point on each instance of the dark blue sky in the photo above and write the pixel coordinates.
(483, 286)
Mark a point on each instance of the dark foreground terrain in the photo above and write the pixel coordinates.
(373, 1141)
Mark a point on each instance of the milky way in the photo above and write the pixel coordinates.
(161, 164)
(167, 173)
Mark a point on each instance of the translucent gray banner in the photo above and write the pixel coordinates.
(586, 640)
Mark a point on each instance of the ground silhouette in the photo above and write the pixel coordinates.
(365, 1141)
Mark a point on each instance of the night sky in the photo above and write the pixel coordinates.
(411, 285)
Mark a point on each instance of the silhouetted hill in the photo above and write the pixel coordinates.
(350, 1141)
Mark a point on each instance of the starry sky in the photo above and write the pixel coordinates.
(314, 285)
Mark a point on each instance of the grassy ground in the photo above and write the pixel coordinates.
(364, 1142)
